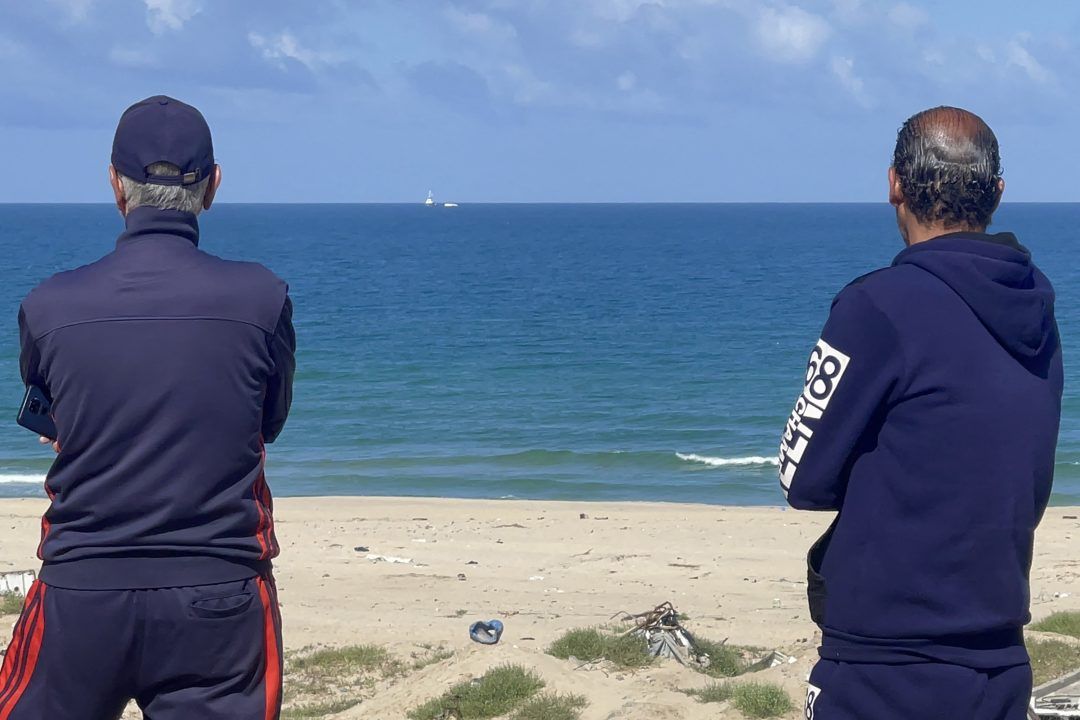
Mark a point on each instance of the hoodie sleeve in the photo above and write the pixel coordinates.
(30, 357)
(850, 376)
(280, 385)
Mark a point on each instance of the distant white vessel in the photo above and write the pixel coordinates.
(430, 202)
(449, 204)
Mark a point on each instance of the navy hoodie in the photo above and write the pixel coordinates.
(929, 420)
(168, 369)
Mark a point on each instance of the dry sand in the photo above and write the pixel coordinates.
(738, 573)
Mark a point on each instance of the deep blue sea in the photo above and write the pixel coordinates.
(592, 352)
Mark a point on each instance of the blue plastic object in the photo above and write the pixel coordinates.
(486, 633)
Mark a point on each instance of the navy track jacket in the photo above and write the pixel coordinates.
(168, 369)
(929, 419)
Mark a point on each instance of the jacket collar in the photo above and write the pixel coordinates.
(143, 222)
(1000, 245)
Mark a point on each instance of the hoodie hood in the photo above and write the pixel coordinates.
(994, 275)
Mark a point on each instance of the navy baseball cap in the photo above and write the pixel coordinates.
(161, 129)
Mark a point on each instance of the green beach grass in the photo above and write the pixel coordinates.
(10, 603)
(1050, 659)
(753, 699)
(550, 706)
(595, 644)
(325, 681)
(498, 692)
(1062, 623)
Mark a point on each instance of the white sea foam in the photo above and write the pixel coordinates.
(725, 462)
(22, 479)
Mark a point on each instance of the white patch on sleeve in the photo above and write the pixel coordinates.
(812, 695)
(824, 372)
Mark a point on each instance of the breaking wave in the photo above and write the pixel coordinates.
(727, 462)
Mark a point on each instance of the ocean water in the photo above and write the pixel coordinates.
(592, 352)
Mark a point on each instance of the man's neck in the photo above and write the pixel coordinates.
(921, 233)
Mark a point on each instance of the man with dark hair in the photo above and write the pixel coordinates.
(168, 369)
(929, 420)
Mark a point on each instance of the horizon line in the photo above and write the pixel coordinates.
(543, 202)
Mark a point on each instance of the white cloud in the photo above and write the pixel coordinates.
(908, 17)
(482, 24)
(844, 70)
(848, 10)
(285, 46)
(626, 82)
(164, 15)
(790, 34)
(1018, 55)
(620, 10)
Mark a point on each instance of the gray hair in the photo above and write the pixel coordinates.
(949, 167)
(188, 198)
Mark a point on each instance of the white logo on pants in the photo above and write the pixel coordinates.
(812, 694)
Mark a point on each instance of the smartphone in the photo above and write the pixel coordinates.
(34, 413)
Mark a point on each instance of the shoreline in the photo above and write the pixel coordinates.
(738, 573)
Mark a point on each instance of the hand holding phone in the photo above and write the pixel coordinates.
(35, 413)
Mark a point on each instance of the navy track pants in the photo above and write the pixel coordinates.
(210, 652)
(916, 691)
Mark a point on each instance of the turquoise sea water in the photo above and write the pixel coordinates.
(631, 352)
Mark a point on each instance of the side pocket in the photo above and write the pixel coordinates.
(815, 583)
(216, 608)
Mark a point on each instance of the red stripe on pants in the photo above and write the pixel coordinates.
(271, 627)
(22, 655)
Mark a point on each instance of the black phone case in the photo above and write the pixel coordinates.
(34, 413)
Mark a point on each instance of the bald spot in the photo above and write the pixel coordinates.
(953, 135)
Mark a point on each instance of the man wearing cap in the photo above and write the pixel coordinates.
(168, 369)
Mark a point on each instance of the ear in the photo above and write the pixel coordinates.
(211, 189)
(118, 190)
(1001, 193)
(896, 192)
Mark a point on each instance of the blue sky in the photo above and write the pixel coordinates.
(534, 100)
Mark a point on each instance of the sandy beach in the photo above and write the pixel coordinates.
(544, 568)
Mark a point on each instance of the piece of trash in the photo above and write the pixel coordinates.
(486, 633)
(390, 559)
(771, 660)
(461, 576)
(665, 636)
(17, 581)
(1069, 517)
(472, 562)
(534, 578)
(583, 516)
(419, 540)
(361, 548)
(1059, 698)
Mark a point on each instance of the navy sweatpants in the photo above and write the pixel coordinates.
(916, 691)
(211, 652)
